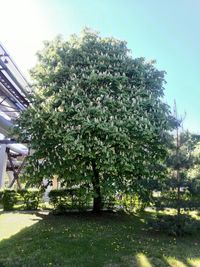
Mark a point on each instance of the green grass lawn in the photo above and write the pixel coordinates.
(109, 240)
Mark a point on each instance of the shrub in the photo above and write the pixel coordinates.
(131, 203)
(58, 197)
(71, 198)
(9, 199)
(81, 199)
(108, 202)
(30, 198)
(174, 226)
(1, 196)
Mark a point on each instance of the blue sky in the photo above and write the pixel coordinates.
(168, 31)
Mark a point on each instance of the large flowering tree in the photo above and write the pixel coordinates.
(96, 116)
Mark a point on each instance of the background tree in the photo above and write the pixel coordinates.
(96, 117)
(181, 188)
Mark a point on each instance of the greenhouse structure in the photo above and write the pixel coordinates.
(14, 90)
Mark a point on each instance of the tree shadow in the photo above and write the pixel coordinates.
(87, 239)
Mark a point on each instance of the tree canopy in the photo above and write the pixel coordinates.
(96, 116)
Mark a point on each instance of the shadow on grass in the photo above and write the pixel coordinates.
(85, 239)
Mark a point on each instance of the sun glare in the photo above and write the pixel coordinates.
(143, 261)
(29, 25)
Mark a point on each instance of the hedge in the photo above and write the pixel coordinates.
(73, 198)
(29, 199)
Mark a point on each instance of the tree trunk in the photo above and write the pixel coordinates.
(178, 175)
(178, 208)
(178, 202)
(96, 188)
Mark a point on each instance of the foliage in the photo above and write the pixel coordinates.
(9, 199)
(96, 115)
(30, 198)
(180, 190)
(131, 203)
(80, 199)
(109, 202)
(1, 195)
(171, 225)
(69, 199)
